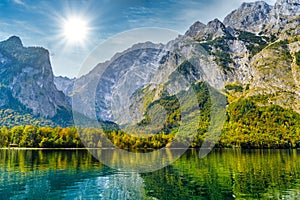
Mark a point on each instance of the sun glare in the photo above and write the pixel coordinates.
(75, 30)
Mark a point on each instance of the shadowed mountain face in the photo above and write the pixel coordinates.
(27, 80)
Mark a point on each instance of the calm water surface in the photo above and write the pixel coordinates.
(223, 174)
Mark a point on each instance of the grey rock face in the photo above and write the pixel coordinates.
(249, 16)
(109, 85)
(64, 84)
(288, 8)
(211, 31)
(284, 16)
(195, 29)
(122, 78)
(27, 73)
(259, 17)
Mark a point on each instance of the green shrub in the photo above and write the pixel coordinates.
(297, 54)
(236, 88)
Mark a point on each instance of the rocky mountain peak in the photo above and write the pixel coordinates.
(249, 16)
(212, 30)
(259, 17)
(15, 40)
(215, 24)
(11, 44)
(195, 29)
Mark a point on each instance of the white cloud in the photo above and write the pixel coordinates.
(20, 2)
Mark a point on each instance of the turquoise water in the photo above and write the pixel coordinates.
(223, 174)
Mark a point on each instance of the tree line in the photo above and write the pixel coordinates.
(248, 126)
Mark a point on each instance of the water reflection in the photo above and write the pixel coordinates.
(223, 174)
(138, 161)
(27, 174)
(229, 174)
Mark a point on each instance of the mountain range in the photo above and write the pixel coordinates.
(254, 54)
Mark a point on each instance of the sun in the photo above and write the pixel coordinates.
(75, 29)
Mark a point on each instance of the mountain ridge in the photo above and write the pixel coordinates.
(235, 58)
(229, 52)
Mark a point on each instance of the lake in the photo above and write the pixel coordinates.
(223, 174)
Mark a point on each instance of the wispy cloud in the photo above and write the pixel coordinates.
(19, 2)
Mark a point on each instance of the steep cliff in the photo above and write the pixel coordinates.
(27, 78)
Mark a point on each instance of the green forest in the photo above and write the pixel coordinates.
(248, 126)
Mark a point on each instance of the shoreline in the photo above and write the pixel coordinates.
(217, 148)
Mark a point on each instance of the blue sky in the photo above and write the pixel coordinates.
(39, 23)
